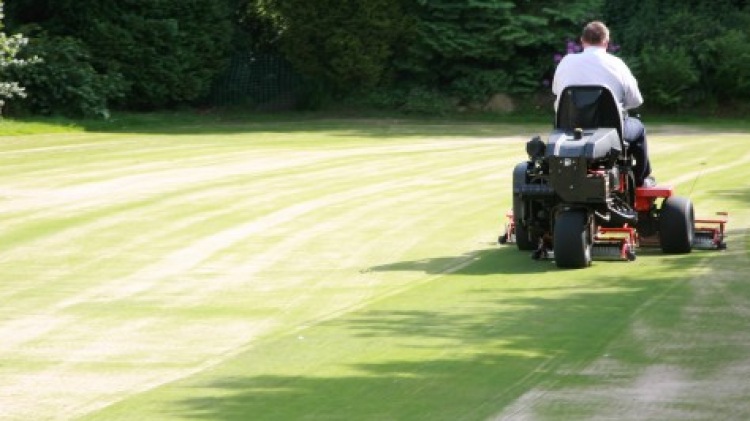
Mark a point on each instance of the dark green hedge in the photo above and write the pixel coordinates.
(167, 52)
(472, 49)
(340, 45)
(685, 52)
(65, 82)
(409, 54)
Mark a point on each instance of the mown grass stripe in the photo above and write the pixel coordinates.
(378, 252)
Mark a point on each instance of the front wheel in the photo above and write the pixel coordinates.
(676, 225)
(572, 239)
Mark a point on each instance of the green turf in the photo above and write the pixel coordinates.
(331, 269)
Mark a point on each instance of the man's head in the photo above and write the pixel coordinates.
(595, 34)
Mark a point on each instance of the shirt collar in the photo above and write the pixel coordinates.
(594, 49)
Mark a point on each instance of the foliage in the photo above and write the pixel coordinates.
(257, 28)
(474, 49)
(66, 83)
(416, 100)
(343, 45)
(10, 47)
(168, 51)
(667, 74)
(729, 56)
(412, 54)
(707, 41)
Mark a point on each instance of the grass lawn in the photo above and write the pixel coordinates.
(347, 269)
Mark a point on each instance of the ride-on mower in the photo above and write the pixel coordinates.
(576, 200)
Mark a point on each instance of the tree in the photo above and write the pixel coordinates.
(345, 45)
(10, 46)
(686, 52)
(475, 48)
(167, 52)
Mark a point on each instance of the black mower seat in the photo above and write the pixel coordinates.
(588, 107)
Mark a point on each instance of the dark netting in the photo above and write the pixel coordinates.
(263, 80)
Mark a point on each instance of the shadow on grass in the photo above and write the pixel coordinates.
(506, 259)
(463, 357)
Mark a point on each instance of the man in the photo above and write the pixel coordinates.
(594, 66)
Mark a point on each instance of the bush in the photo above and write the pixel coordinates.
(728, 58)
(667, 76)
(476, 85)
(169, 51)
(10, 47)
(345, 45)
(410, 100)
(705, 44)
(474, 49)
(65, 82)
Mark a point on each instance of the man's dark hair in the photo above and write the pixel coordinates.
(595, 33)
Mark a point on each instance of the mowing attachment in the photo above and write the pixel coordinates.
(615, 243)
(709, 233)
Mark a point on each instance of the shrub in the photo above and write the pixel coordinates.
(66, 83)
(169, 51)
(707, 41)
(10, 47)
(343, 45)
(417, 100)
(666, 75)
(474, 49)
(728, 60)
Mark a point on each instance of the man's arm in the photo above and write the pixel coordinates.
(633, 97)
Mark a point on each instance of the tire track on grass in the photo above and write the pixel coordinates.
(345, 306)
(86, 195)
(188, 257)
(101, 220)
(209, 245)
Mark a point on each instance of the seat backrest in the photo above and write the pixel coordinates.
(588, 107)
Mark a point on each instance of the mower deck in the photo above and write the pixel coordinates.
(709, 233)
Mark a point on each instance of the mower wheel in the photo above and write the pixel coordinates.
(676, 225)
(572, 240)
(523, 237)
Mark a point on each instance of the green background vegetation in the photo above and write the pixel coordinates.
(427, 56)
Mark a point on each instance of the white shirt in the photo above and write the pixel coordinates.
(594, 66)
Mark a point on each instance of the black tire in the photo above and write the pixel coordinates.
(523, 237)
(572, 240)
(676, 225)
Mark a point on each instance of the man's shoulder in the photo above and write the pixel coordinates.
(571, 57)
(570, 60)
(614, 59)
